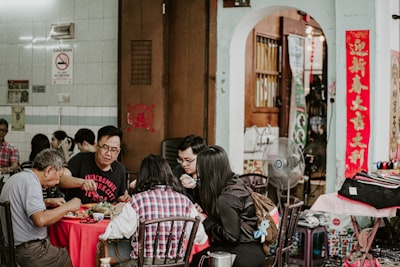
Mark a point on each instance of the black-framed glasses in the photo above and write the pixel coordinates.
(181, 161)
(105, 148)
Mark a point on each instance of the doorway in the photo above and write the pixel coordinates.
(269, 92)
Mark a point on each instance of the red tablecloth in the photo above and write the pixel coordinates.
(79, 238)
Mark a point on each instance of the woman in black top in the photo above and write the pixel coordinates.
(226, 206)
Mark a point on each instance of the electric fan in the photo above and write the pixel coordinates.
(285, 166)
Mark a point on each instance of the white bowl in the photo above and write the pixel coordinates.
(97, 216)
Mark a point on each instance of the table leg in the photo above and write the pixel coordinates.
(370, 239)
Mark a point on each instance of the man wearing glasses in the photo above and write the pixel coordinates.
(186, 171)
(9, 155)
(102, 177)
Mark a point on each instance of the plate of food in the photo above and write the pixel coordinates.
(75, 215)
(103, 207)
(89, 205)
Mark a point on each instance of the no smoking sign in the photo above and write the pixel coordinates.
(62, 66)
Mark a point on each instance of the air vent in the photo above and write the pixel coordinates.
(62, 31)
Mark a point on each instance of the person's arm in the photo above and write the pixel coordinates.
(14, 167)
(125, 197)
(201, 236)
(54, 202)
(48, 217)
(229, 230)
(68, 181)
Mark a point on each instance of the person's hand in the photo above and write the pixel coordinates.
(66, 144)
(125, 197)
(202, 216)
(198, 208)
(54, 202)
(74, 204)
(187, 181)
(88, 185)
(132, 184)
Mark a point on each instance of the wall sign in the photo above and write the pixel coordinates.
(358, 101)
(18, 91)
(62, 66)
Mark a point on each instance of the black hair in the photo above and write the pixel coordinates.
(4, 122)
(38, 143)
(155, 170)
(109, 131)
(61, 135)
(214, 170)
(84, 134)
(197, 143)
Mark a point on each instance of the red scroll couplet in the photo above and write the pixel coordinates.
(358, 101)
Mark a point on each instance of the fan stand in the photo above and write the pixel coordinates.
(279, 196)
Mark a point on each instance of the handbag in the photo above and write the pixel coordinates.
(118, 250)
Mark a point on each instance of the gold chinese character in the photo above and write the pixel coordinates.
(357, 48)
(358, 65)
(357, 155)
(356, 104)
(357, 86)
(358, 121)
(356, 141)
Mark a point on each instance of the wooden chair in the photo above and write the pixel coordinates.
(169, 150)
(287, 228)
(7, 247)
(177, 248)
(256, 181)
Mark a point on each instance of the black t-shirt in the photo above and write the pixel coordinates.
(110, 184)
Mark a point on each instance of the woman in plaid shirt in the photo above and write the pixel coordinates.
(158, 194)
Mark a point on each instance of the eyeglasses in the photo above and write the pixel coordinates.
(181, 161)
(106, 148)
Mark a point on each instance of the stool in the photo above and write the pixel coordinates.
(311, 255)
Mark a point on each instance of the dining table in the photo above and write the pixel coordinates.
(79, 238)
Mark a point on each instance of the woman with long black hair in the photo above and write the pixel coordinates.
(227, 203)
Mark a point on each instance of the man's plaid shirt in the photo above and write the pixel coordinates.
(8, 154)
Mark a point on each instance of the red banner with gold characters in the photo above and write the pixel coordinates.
(358, 101)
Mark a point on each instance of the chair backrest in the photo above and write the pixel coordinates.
(7, 247)
(176, 243)
(288, 223)
(169, 150)
(256, 181)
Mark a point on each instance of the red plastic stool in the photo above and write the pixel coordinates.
(313, 254)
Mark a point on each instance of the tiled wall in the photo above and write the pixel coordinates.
(26, 52)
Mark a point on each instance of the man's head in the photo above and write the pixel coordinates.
(108, 146)
(84, 138)
(50, 164)
(3, 129)
(190, 146)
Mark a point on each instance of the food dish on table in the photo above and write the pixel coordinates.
(76, 215)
